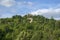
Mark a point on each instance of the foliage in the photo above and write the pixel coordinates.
(19, 28)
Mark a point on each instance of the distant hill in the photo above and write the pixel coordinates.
(29, 27)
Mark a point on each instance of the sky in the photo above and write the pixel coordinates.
(47, 8)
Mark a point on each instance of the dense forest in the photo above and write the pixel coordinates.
(29, 27)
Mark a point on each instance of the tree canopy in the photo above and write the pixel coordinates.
(19, 28)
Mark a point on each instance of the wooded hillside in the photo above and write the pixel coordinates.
(29, 27)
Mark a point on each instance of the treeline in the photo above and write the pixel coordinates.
(19, 28)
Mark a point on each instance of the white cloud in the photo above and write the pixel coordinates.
(47, 12)
(7, 3)
(39, 12)
(57, 18)
(25, 3)
(30, 3)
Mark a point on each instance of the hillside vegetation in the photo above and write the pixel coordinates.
(20, 28)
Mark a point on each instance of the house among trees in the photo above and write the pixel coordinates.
(29, 17)
(30, 20)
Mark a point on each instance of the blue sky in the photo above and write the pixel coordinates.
(47, 8)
